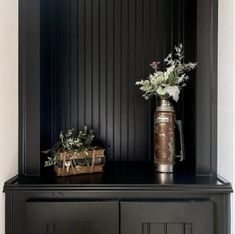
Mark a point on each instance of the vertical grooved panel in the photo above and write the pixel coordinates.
(96, 66)
(83, 228)
(74, 97)
(61, 228)
(45, 82)
(131, 98)
(110, 79)
(148, 57)
(157, 228)
(138, 111)
(88, 82)
(72, 228)
(145, 228)
(117, 77)
(124, 79)
(103, 90)
(175, 228)
(188, 228)
(81, 42)
(98, 50)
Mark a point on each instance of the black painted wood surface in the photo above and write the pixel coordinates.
(29, 87)
(206, 93)
(119, 176)
(159, 204)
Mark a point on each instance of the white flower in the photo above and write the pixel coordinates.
(159, 73)
(173, 91)
(169, 70)
(168, 60)
(181, 78)
(157, 78)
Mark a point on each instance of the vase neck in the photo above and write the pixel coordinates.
(165, 105)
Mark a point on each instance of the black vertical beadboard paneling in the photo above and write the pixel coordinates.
(124, 79)
(139, 105)
(151, 49)
(51, 97)
(81, 45)
(131, 96)
(74, 94)
(103, 12)
(110, 79)
(45, 81)
(117, 78)
(146, 60)
(58, 115)
(167, 28)
(96, 66)
(189, 99)
(98, 50)
(88, 82)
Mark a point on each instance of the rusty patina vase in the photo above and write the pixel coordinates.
(164, 136)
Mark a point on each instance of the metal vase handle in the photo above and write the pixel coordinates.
(182, 152)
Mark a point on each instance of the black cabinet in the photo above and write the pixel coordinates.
(78, 63)
(120, 201)
(161, 217)
(72, 217)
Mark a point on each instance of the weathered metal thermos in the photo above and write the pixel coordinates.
(164, 137)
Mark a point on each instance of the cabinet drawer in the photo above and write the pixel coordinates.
(72, 217)
(167, 217)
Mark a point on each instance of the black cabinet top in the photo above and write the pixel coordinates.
(124, 176)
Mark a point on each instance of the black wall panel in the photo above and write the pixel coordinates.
(92, 53)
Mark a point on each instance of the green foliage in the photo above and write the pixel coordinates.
(71, 144)
(167, 83)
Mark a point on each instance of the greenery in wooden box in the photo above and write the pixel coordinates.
(75, 154)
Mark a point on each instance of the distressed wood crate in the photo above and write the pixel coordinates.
(70, 164)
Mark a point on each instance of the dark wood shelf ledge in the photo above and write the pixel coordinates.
(122, 176)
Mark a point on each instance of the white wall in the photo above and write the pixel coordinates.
(226, 97)
(8, 96)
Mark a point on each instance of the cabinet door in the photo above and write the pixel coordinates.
(176, 217)
(70, 217)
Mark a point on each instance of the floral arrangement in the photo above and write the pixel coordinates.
(170, 82)
(71, 144)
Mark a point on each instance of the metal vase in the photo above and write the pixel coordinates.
(164, 137)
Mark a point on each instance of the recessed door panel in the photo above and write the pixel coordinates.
(72, 217)
(165, 217)
(72, 228)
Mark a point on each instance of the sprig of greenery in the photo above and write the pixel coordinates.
(167, 83)
(71, 144)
